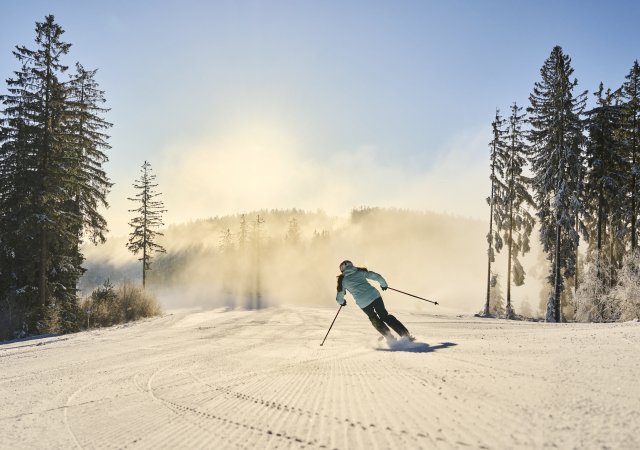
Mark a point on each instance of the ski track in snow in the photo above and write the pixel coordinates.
(259, 379)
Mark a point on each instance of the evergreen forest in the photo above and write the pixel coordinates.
(571, 170)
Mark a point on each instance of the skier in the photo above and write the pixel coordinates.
(354, 280)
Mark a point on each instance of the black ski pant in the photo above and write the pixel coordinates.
(380, 318)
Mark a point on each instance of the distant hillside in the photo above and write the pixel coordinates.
(293, 257)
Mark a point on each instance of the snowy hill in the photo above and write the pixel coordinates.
(259, 379)
(436, 255)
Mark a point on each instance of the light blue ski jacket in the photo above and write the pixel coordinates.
(355, 281)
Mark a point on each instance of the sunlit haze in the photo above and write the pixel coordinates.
(331, 105)
(242, 106)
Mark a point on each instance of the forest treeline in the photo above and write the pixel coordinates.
(268, 257)
(573, 171)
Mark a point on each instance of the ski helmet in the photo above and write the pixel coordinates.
(345, 264)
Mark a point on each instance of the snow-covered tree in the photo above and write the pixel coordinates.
(509, 200)
(497, 151)
(626, 294)
(597, 301)
(518, 221)
(147, 220)
(556, 159)
(591, 298)
(496, 300)
(525, 308)
(604, 181)
(630, 95)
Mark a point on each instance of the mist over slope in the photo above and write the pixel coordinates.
(292, 257)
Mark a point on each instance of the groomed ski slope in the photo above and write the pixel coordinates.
(259, 379)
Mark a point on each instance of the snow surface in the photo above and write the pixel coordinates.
(260, 379)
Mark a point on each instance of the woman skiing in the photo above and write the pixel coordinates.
(354, 280)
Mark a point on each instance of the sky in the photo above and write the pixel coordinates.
(330, 105)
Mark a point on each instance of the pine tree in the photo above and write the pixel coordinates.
(518, 221)
(243, 234)
(256, 236)
(148, 219)
(88, 183)
(556, 158)
(320, 238)
(496, 205)
(44, 183)
(89, 142)
(293, 233)
(226, 241)
(604, 179)
(630, 95)
(35, 156)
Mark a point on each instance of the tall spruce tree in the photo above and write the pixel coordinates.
(87, 131)
(604, 181)
(33, 124)
(630, 95)
(556, 159)
(147, 220)
(226, 241)
(518, 221)
(293, 237)
(243, 233)
(496, 206)
(41, 160)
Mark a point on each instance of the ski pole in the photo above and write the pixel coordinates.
(334, 320)
(411, 295)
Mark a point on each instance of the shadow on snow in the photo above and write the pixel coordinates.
(39, 337)
(415, 347)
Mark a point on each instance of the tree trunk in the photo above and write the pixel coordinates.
(509, 310)
(612, 265)
(145, 243)
(144, 266)
(42, 282)
(258, 304)
(599, 231)
(490, 251)
(486, 305)
(575, 277)
(633, 208)
(557, 288)
(634, 181)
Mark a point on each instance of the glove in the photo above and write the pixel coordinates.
(344, 303)
(384, 288)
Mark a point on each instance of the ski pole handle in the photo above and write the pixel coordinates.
(331, 326)
(411, 295)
